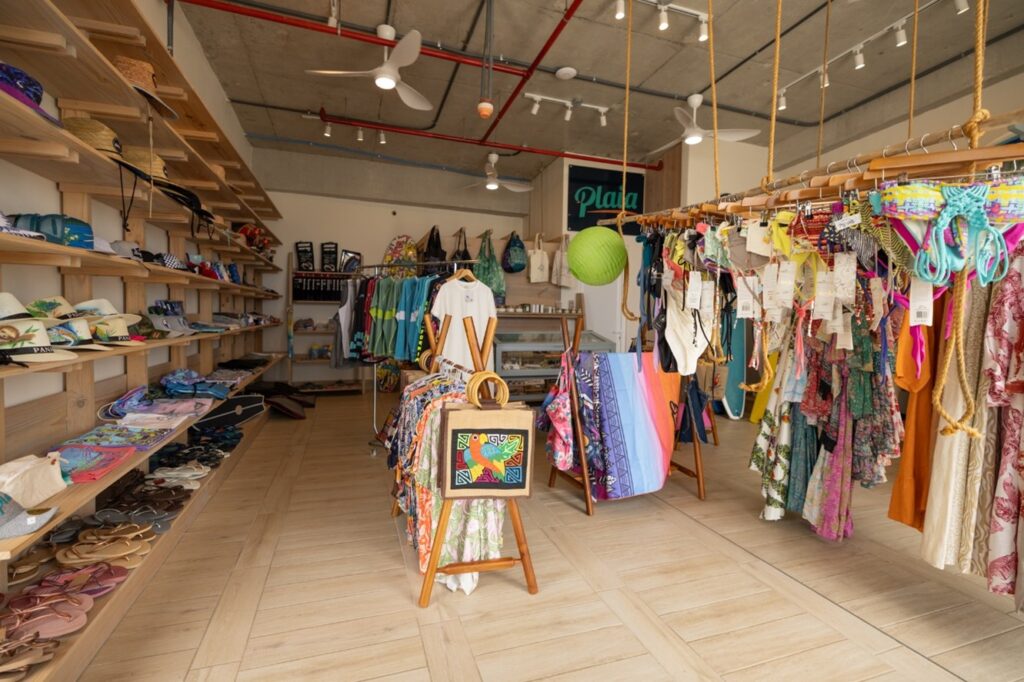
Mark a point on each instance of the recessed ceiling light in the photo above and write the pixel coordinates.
(566, 73)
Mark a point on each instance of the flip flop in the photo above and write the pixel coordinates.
(47, 621)
(111, 516)
(94, 579)
(77, 600)
(90, 552)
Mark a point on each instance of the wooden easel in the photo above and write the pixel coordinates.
(583, 480)
(480, 357)
(698, 458)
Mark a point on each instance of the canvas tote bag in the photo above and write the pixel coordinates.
(539, 263)
(560, 275)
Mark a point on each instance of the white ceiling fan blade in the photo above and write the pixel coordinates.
(516, 186)
(406, 51)
(472, 185)
(329, 72)
(735, 134)
(684, 117)
(412, 98)
(663, 147)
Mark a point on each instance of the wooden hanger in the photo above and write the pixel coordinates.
(464, 275)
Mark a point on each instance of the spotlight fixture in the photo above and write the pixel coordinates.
(620, 9)
(782, 100)
(662, 19)
(568, 113)
(604, 119)
(961, 6)
(824, 79)
(536, 107)
(703, 29)
(858, 58)
(359, 134)
(327, 129)
(381, 137)
(901, 35)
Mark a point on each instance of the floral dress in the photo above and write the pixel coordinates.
(1004, 368)
(771, 452)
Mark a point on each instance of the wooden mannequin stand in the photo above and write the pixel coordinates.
(698, 459)
(480, 357)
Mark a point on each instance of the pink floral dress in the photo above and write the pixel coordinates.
(1004, 368)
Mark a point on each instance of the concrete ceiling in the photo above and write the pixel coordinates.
(263, 63)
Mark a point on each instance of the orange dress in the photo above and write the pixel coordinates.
(910, 489)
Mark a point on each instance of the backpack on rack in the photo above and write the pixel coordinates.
(488, 271)
(514, 257)
(434, 252)
(461, 252)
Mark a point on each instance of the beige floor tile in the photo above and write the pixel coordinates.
(993, 659)
(327, 611)
(895, 606)
(171, 667)
(224, 672)
(495, 632)
(330, 588)
(836, 662)
(944, 630)
(361, 663)
(728, 615)
(694, 593)
(449, 656)
(130, 642)
(710, 565)
(624, 670)
(228, 632)
(564, 654)
(747, 647)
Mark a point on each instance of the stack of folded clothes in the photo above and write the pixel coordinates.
(189, 383)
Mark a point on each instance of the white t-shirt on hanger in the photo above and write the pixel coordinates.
(460, 299)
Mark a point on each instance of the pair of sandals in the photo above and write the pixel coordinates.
(28, 566)
(19, 655)
(186, 476)
(122, 546)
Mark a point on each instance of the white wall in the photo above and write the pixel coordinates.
(740, 166)
(366, 227)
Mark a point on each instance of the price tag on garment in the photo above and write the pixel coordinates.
(746, 304)
(694, 289)
(769, 279)
(707, 299)
(920, 303)
(759, 240)
(834, 325)
(785, 286)
(824, 296)
(844, 278)
(878, 306)
(846, 222)
(844, 338)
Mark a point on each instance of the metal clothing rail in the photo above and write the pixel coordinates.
(382, 266)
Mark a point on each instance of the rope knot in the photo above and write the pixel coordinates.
(972, 128)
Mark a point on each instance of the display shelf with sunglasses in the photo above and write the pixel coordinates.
(195, 122)
(77, 649)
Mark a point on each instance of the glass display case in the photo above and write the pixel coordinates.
(529, 361)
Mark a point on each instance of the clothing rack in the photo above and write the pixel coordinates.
(384, 266)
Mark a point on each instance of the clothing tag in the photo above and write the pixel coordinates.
(707, 299)
(694, 290)
(758, 238)
(844, 278)
(834, 325)
(824, 297)
(745, 303)
(773, 315)
(920, 303)
(769, 278)
(846, 222)
(785, 285)
(878, 308)
(844, 339)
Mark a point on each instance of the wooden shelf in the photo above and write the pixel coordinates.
(74, 497)
(306, 332)
(311, 361)
(539, 316)
(195, 123)
(334, 303)
(77, 650)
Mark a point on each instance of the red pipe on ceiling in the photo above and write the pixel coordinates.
(265, 15)
(328, 118)
(533, 67)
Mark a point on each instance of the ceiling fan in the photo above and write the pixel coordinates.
(493, 182)
(694, 134)
(386, 76)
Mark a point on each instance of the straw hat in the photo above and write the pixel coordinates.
(27, 341)
(74, 334)
(114, 331)
(102, 309)
(148, 162)
(142, 76)
(95, 134)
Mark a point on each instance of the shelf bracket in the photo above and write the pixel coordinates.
(115, 112)
(105, 30)
(45, 41)
(52, 151)
(200, 135)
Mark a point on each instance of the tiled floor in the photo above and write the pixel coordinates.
(296, 571)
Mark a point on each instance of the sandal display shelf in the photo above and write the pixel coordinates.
(107, 22)
(70, 500)
(77, 650)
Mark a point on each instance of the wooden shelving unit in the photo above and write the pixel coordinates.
(68, 46)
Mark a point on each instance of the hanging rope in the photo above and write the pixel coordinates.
(624, 305)
(913, 72)
(714, 91)
(972, 128)
(775, 97)
(821, 85)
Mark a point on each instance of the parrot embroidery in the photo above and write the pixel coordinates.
(483, 455)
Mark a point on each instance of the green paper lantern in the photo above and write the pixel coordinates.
(597, 256)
